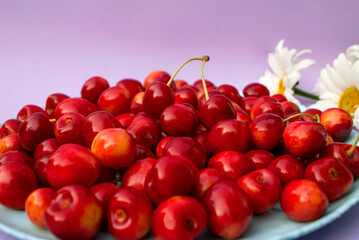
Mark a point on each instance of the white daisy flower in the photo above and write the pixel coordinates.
(338, 86)
(285, 66)
(353, 53)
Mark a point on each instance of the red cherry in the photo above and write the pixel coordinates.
(279, 97)
(158, 76)
(230, 92)
(115, 100)
(51, 103)
(338, 123)
(207, 177)
(186, 95)
(256, 90)
(266, 104)
(259, 158)
(131, 85)
(78, 105)
(27, 111)
(287, 167)
(247, 104)
(68, 128)
(10, 126)
(93, 88)
(10, 143)
(47, 146)
(199, 85)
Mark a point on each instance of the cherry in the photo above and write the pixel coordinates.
(47, 146)
(156, 98)
(230, 164)
(199, 84)
(39, 168)
(16, 156)
(287, 167)
(171, 176)
(95, 123)
(227, 206)
(115, 100)
(247, 103)
(179, 120)
(228, 135)
(217, 108)
(158, 76)
(259, 158)
(279, 97)
(68, 128)
(256, 90)
(186, 95)
(290, 107)
(93, 88)
(188, 148)
(9, 143)
(231, 93)
(332, 176)
(136, 103)
(35, 129)
(51, 103)
(143, 152)
(180, 83)
(207, 177)
(266, 130)
(125, 119)
(313, 112)
(243, 116)
(338, 123)
(78, 105)
(27, 111)
(161, 146)
(187, 215)
(133, 86)
(144, 130)
(202, 99)
(266, 104)
(303, 200)
(10, 126)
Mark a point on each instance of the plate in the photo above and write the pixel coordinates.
(273, 225)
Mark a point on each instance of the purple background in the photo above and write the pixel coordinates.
(54, 46)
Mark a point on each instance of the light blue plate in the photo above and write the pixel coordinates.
(272, 225)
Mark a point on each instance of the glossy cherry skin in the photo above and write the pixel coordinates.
(144, 130)
(266, 104)
(17, 181)
(10, 126)
(179, 120)
(228, 135)
(156, 98)
(287, 167)
(93, 88)
(51, 103)
(161, 146)
(170, 176)
(137, 103)
(67, 217)
(187, 215)
(35, 129)
(313, 112)
(68, 128)
(78, 105)
(158, 76)
(303, 200)
(133, 86)
(135, 175)
(332, 176)
(186, 95)
(129, 214)
(262, 187)
(279, 97)
(47, 146)
(39, 168)
(247, 103)
(115, 100)
(230, 164)
(338, 123)
(199, 84)
(188, 148)
(181, 83)
(243, 116)
(27, 111)
(10, 143)
(72, 164)
(103, 192)
(37, 203)
(95, 123)
(207, 177)
(202, 99)
(305, 139)
(290, 107)
(215, 109)
(16, 156)
(256, 90)
(340, 152)
(114, 148)
(230, 92)
(259, 158)
(125, 119)
(266, 130)
(143, 152)
(228, 208)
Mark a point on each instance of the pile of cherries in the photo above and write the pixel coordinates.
(171, 159)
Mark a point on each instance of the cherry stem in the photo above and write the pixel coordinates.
(52, 120)
(314, 118)
(116, 180)
(305, 94)
(351, 150)
(189, 60)
(205, 59)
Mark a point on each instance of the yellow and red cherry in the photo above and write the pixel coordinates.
(338, 123)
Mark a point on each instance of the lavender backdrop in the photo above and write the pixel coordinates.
(54, 46)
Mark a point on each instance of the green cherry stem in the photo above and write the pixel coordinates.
(205, 59)
(314, 118)
(189, 60)
(305, 94)
(351, 150)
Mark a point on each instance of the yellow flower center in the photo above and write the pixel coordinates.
(349, 100)
(281, 87)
